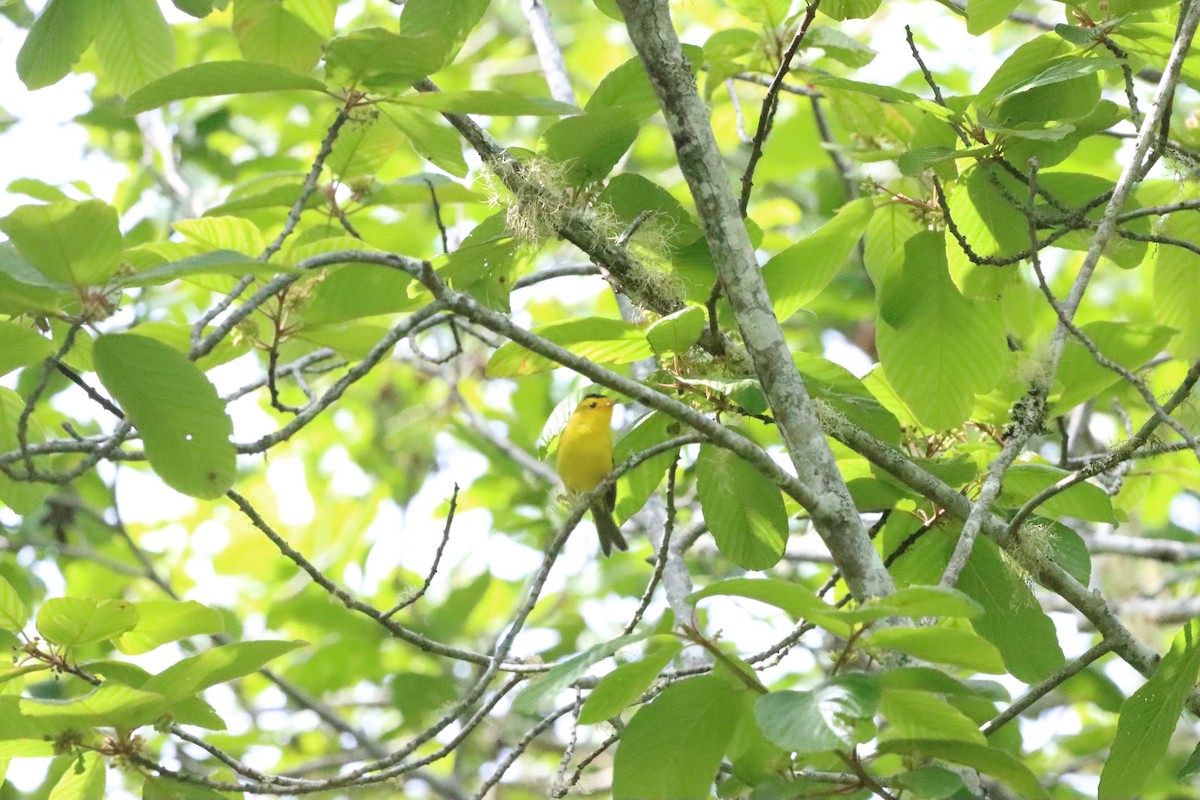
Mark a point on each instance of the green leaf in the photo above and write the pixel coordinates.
(21, 346)
(676, 333)
(1080, 377)
(73, 242)
(447, 21)
(1026, 61)
(223, 233)
(57, 39)
(268, 32)
(747, 393)
(839, 46)
(915, 714)
(629, 195)
(672, 747)
(134, 44)
(628, 87)
(433, 138)
(364, 146)
(164, 787)
(165, 621)
(1012, 620)
(983, 15)
(991, 225)
(931, 782)
(635, 487)
(182, 421)
(220, 664)
(768, 13)
(355, 291)
(13, 611)
(219, 262)
(561, 676)
(916, 602)
(23, 288)
(938, 348)
(988, 760)
(589, 145)
(72, 621)
(620, 688)
(23, 497)
(941, 645)
(796, 599)
(1066, 69)
(1085, 500)
(490, 102)
(109, 706)
(744, 512)
(82, 780)
(849, 9)
(378, 58)
(1177, 284)
(834, 384)
(1067, 548)
(1149, 716)
(833, 716)
(215, 78)
(605, 341)
(795, 276)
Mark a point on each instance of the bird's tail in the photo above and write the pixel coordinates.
(606, 526)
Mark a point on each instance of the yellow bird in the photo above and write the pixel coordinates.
(585, 457)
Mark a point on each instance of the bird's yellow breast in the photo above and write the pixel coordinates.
(585, 448)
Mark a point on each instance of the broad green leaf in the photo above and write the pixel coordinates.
(111, 705)
(447, 21)
(73, 242)
(888, 94)
(1084, 500)
(223, 233)
(931, 782)
(834, 716)
(983, 15)
(416, 189)
(628, 87)
(916, 602)
(364, 146)
(938, 348)
(992, 227)
(378, 58)
(1066, 547)
(73, 621)
(941, 645)
(432, 137)
(1012, 619)
(1177, 284)
(267, 32)
(23, 497)
(13, 611)
(839, 46)
(605, 341)
(1062, 70)
(676, 333)
(21, 346)
(620, 688)
(1076, 189)
(164, 787)
(795, 276)
(1080, 377)
(489, 102)
(914, 714)
(182, 421)
(560, 677)
(83, 780)
(485, 265)
(746, 393)
(219, 262)
(57, 39)
(768, 13)
(218, 665)
(796, 599)
(635, 487)
(197, 8)
(23, 288)
(849, 9)
(744, 512)
(354, 291)
(163, 621)
(589, 145)
(834, 384)
(1026, 61)
(215, 78)
(672, 747)
(1149, 717)
(134, 44)
(988, 760)
(889, 228)
(628, 195)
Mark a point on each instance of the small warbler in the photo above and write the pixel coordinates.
(585, 457)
